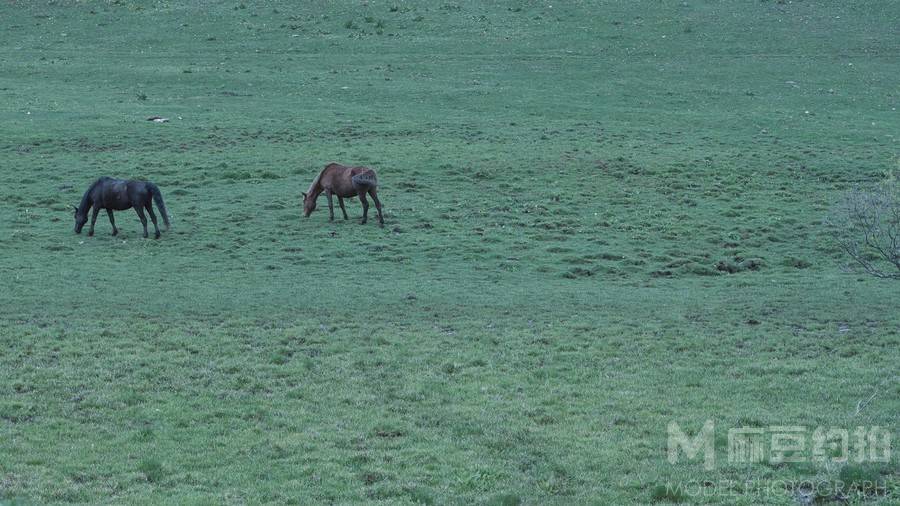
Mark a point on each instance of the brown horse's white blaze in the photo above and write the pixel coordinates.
(345, 182)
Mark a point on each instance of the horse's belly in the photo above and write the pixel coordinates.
(118, 201)
(343, 191)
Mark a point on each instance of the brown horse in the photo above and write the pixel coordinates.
(336, 179)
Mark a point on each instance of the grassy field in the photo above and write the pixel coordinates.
(602, 217)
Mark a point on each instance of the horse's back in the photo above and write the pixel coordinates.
(120, 194)
(102, 182)
(337, 170)
(107, 182)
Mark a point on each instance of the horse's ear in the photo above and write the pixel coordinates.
(75, 208)
(304, 194)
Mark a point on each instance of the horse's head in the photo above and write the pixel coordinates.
(309, 204)
(80, 220)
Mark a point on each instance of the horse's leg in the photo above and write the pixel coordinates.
(341, 202)
(330, 205)
(377, 206)
(153, 218)
(112, 221)
(94, 219)
(365, 204)
(140, 213)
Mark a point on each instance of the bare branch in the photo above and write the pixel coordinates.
(866, 225)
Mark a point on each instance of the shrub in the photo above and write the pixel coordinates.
(866, 225)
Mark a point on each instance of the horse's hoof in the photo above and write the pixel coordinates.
(156, 236)
(90, 233)
(115, 232)
(381, 224)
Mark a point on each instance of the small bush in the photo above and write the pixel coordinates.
(866, 225)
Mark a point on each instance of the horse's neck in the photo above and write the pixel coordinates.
(314, 190)
(87, 200)
(316, 187)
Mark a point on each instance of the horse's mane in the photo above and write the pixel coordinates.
(86, 198)
(315, 183)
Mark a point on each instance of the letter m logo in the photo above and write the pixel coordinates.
(704, 440)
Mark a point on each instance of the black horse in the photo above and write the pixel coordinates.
(120, 194)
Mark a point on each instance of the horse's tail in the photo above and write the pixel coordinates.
(365, 179)
(157, 197)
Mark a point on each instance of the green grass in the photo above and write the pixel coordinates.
(601, 217)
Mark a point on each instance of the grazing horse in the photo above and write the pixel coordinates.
(345, 182)
(120, 194)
